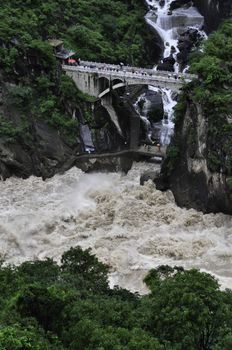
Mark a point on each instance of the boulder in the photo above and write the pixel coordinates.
(148, 175)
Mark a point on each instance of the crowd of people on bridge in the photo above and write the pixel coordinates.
(121, 68)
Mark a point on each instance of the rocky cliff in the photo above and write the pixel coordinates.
(29, 146)
(213, 11)
(196, 169)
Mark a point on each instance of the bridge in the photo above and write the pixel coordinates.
(98, 79)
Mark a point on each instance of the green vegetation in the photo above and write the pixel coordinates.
(229, 183)
(155, 115)
(172, 156)
(214, 92)
(101, 30)
(70, 306)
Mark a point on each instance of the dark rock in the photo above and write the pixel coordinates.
(179, 3)
(14, 160)
(167, 64)
(148, 175)
(213, 11)
(195, 180)
(155, 111)
(187, 41)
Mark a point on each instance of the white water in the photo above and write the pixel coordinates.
(169, 25)
(131, 227)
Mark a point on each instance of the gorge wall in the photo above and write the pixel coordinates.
(213, 11)
(198, 167)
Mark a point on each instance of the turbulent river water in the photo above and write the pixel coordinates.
(131, 227)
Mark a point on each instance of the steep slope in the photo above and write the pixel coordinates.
(214, 11)
(40, 109)
(198, 167)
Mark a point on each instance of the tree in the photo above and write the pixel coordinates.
(187, 307)
(17, 337)
(83, 269)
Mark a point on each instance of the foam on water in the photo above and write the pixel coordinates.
(131, 227)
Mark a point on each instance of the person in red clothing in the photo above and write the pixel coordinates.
(72, 62)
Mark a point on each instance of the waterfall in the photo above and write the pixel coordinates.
(169, 24)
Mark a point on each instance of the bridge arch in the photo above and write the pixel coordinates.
(124, 84)
(104, 83)
(110, 85)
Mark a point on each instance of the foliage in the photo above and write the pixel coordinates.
(70, 306)
(214, 92)
(229, 182)
(187, 307)
(172, 156)
(155, 115)
(99, 30)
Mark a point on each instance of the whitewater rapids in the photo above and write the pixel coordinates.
(133, 228)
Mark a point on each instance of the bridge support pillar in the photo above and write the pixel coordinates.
(134, 132)
(106, 102)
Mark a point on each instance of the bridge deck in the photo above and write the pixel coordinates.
(129, 72)
(129, 69)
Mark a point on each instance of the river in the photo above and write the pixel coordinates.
(131, 227)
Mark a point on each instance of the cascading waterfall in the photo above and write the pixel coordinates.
(169, 25)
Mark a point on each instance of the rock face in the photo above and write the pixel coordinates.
(189, 170)
(44, 156)
(214, 11)
(187, 41)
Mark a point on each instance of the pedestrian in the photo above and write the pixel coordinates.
(158, 145)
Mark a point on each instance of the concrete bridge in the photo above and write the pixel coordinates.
(98, 79)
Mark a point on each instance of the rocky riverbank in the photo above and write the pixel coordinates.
(196, 179)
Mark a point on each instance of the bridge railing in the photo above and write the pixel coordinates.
(147, 75)
(92, 64)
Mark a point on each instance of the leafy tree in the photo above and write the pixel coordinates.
(83, 269)
(187, 307)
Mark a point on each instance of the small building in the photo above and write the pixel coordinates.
(59, 50)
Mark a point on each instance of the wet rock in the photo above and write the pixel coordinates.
(187, 41)
(148, 175)
(154, 106)
(179, 3)
(167, 64)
